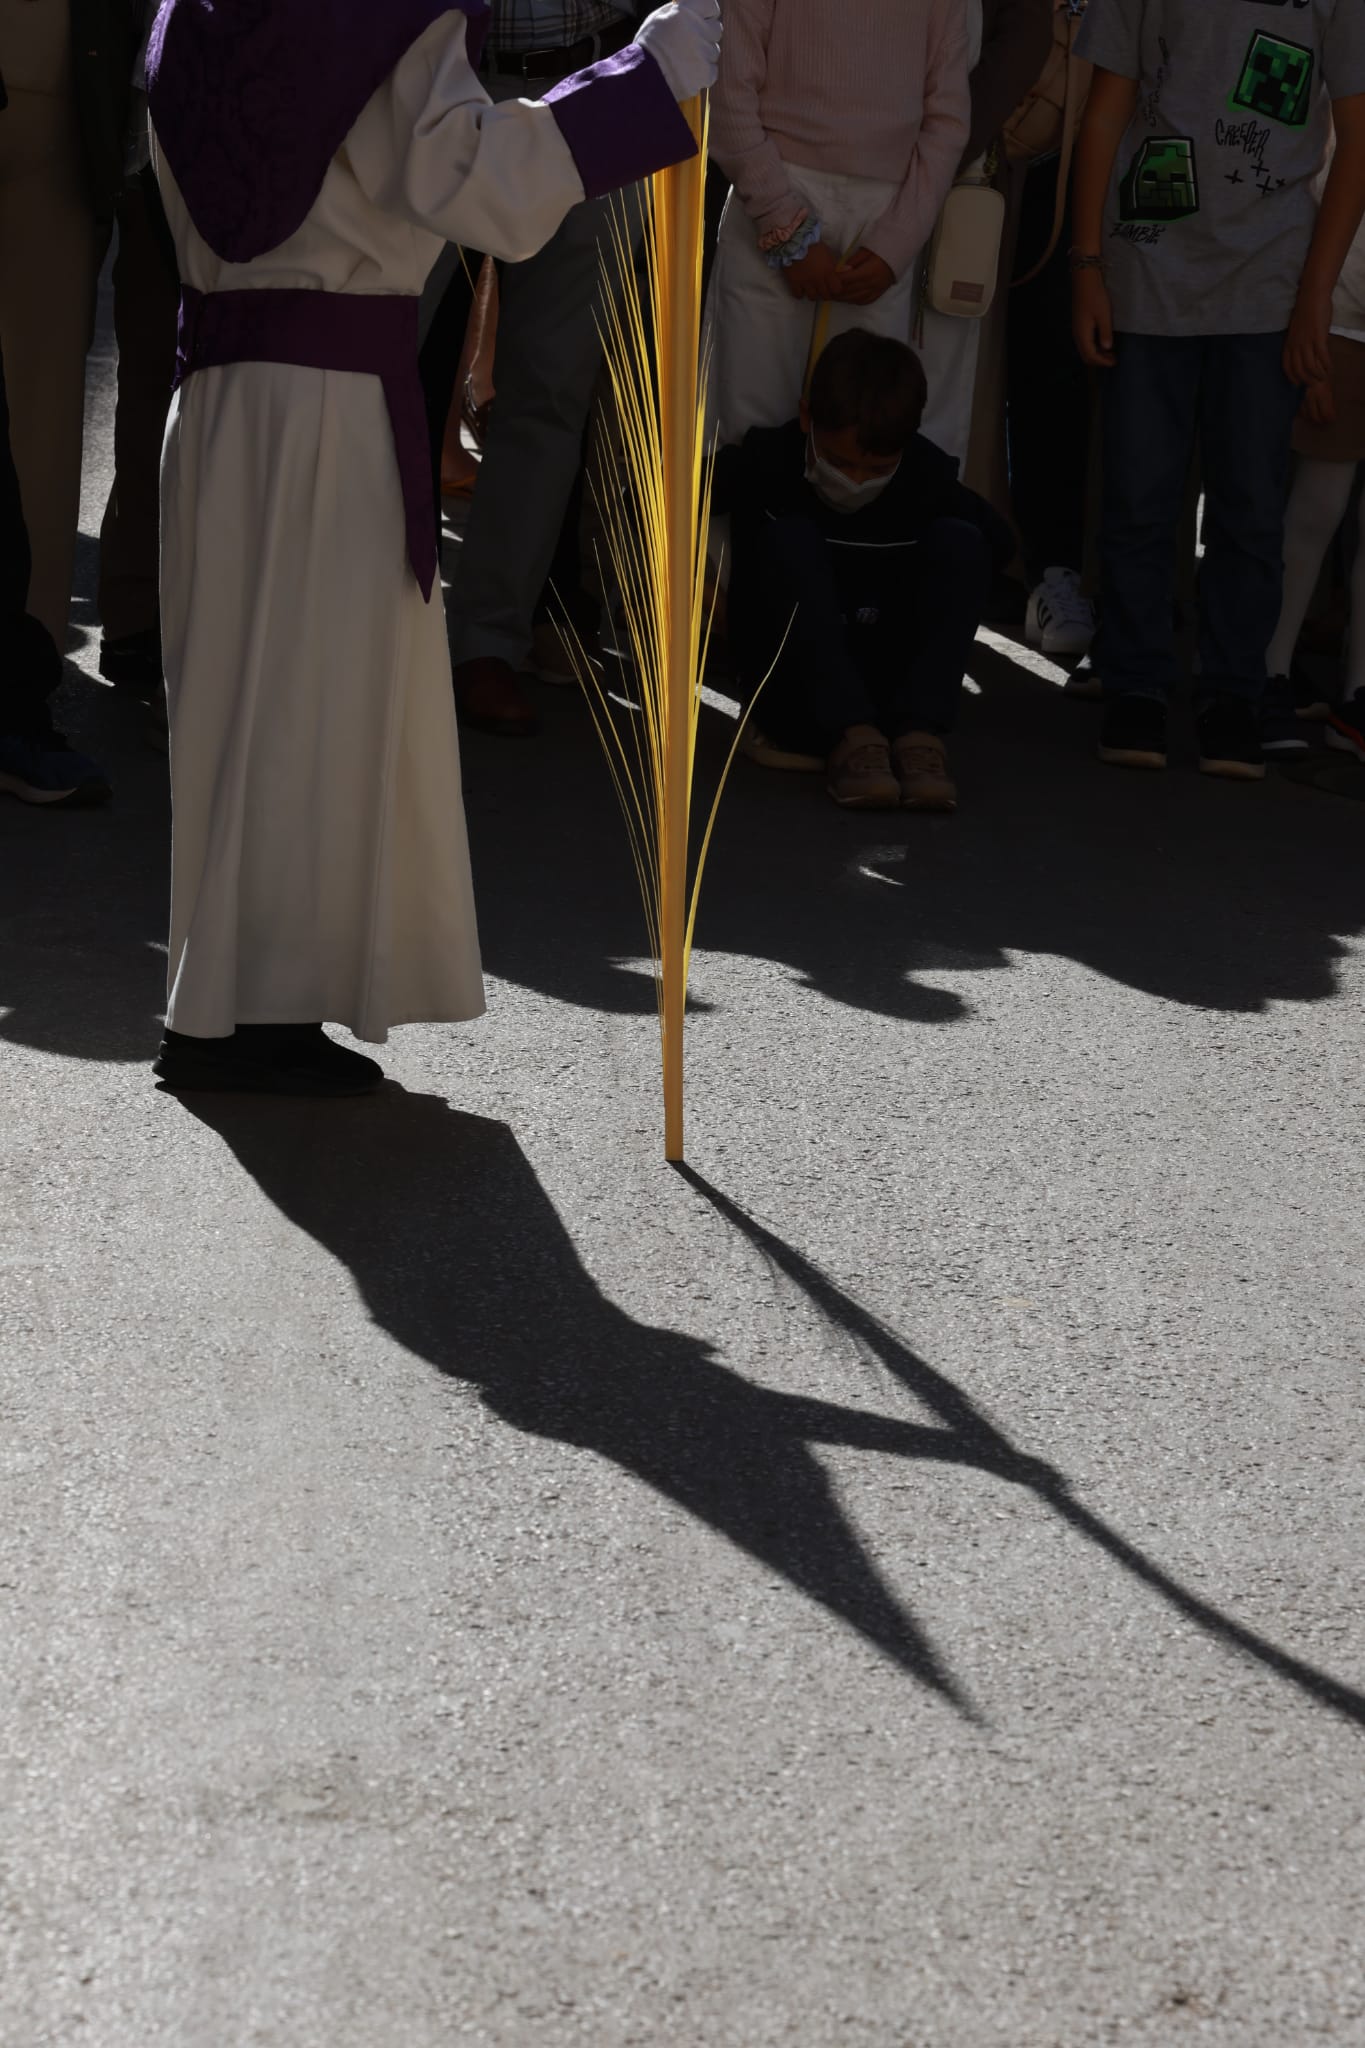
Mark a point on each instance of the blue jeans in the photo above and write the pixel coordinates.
(1229, 394)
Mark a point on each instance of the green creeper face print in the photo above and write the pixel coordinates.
(1162, 183)
(1276, 81)
(1213, 202)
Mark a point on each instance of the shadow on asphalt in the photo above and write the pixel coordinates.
(460, 1256)
(985, 1446)
(1213, 895)
(85, 897)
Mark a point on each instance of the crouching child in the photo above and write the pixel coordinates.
(860, 573)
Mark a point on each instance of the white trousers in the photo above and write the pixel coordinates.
(949, 348)
(761, 338)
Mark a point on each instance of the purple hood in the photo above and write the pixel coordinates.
(251, 100)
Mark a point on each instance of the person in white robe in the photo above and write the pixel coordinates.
(320, 871)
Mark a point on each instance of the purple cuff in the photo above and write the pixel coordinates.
(621, 121)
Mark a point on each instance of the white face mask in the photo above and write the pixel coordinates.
(840, 492)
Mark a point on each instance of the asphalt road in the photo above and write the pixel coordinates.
(894, 1586)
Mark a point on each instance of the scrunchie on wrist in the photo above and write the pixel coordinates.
(798, 243)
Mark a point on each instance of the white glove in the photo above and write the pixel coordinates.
(683, 38)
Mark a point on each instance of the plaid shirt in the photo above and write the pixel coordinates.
(551, 24)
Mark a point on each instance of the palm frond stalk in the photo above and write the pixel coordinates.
(656, 526)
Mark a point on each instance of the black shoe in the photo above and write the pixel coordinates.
(1133, 734)
(48, 771)
(1230, 740)
(133, 662)
(1311, 701)
(157, 731)
(1085, 681)
(1281, 725)
(265, 1059)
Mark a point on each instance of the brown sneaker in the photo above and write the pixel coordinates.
(489, 698)
(768, 754)
(859, 772)
(922, 768)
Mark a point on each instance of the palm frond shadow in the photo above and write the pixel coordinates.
(461, 1258)
(984, 1445)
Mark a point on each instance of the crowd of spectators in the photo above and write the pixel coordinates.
(942, 250)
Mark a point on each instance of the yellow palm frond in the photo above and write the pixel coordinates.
(656, 528)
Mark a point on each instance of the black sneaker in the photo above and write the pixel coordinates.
(1084, 682)
(1311, 700)
(1281, 724)
(265, 1059)
(133, 662)
(1230, 740)
(1133, 734)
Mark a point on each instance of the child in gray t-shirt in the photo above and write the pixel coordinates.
(1203, 274)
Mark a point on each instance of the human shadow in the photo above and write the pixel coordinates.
(84, 893)
(1212, 896)
(986, 1446)
(461, 1258)
(84, 897)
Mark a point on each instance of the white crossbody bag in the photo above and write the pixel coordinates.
(962, 266)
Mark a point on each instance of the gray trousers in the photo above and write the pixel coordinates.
(548, 355)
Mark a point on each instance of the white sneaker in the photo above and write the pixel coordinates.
(1060, 618)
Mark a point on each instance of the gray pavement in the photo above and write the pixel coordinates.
(896, 1586)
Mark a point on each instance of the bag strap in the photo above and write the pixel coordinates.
(1070, 132)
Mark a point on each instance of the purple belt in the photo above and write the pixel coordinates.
(311, 330)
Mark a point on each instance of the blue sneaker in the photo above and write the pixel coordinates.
(49, 772)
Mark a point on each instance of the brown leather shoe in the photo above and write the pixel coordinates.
(489, 698)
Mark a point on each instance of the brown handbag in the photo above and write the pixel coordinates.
(1048, 120)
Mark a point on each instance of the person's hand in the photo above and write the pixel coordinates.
(1320, 404)
(683, 38)
(864, 278)
(815, 275)
(1092, 318)
(1307, 346)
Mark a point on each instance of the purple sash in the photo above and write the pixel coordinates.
(311, 330)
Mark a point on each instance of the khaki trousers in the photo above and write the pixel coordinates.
(50, 248)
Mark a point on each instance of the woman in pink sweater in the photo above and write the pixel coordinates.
(840, 127)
